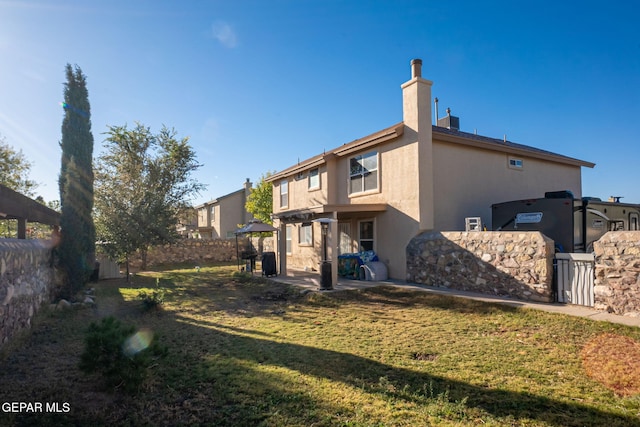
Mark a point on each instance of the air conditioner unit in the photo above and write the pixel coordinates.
(473, 223)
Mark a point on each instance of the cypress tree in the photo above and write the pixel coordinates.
(77, 246)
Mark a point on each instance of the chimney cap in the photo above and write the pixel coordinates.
(416, 68)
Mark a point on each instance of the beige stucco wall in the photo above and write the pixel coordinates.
(468, 181)
(204, 218)
(300, 195)
(303, 256)
(394, 228)
(398, 184)
(230, 212)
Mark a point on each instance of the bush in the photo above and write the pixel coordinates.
(154, 299)
(119, 353)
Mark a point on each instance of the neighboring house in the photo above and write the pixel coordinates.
(220, 218)
(187, 222)
(386, 188)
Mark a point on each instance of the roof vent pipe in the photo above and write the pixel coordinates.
(416, 68)
(435, 101)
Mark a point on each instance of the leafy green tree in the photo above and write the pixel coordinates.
(260, 201)
(143, 183)
(14, 170)
(77, 246)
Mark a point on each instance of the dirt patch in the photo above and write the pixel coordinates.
(614, 361)
(427, 357)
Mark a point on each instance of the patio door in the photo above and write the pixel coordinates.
(344, 231)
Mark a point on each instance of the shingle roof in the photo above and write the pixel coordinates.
(439, 133)
(501, 145)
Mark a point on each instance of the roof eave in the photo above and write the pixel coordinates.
(369, 141)
(512, 149)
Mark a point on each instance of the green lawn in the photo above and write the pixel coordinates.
(245, 352)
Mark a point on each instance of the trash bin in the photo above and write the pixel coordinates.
(269, 264)
(325, 276)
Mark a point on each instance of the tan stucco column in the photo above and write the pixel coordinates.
(282, 247)
(333, 248)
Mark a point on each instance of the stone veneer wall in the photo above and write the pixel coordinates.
(516, 264)
(617, 282)
(27, 280)
(201, 250)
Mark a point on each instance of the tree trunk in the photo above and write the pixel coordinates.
(143, 258)
(127, 264)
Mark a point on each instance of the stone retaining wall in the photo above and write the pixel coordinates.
(617, 282)
(515, 264)
(198, 251)
(26, 283)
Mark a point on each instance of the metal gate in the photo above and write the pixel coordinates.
(575, 274)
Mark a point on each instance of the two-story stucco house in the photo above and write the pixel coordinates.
(220, 218)
(386, 188)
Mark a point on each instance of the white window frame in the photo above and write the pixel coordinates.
(284, 193)
(213, 214)
(314, 179)
(515, 163)
(287, 237)
(305, 234)
(362, 159)
(373, 233)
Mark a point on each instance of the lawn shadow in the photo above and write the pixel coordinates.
(259, 348)
(217, 374)
(399, 383)
(407, 298)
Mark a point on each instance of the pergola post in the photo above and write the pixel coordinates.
(22, 228)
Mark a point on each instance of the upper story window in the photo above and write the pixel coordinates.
(515, 163)
(314, 179)
(363, 173)
(213, 214)
(284, 194)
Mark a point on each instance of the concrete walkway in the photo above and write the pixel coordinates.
(311, 281)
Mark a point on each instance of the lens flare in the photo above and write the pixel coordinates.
(137, 342)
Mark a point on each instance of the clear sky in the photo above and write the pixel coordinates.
(258, 85)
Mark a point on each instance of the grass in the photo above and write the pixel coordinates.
(249, 352)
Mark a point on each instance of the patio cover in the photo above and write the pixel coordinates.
(14, 205)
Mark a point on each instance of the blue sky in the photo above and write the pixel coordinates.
(258, 85)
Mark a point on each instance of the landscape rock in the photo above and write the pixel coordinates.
(617, 281)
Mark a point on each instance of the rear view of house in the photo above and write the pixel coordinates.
(382, 190)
